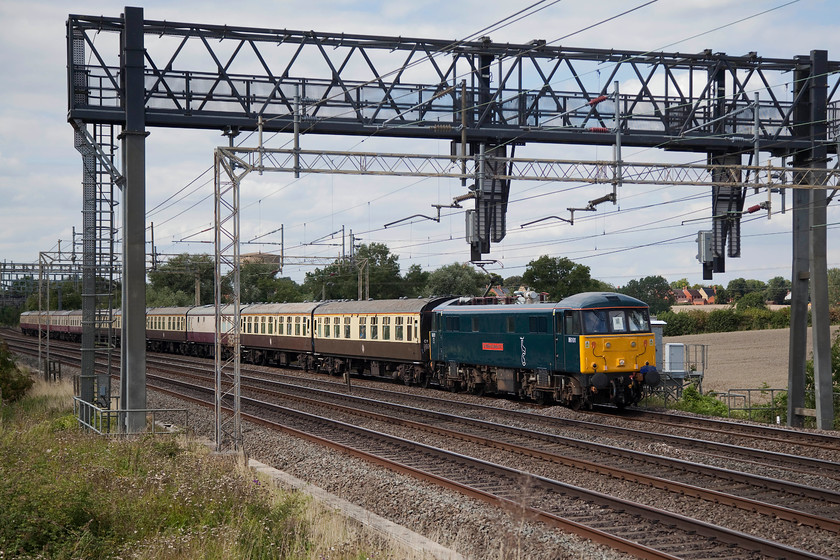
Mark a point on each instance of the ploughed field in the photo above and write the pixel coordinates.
(746, 359)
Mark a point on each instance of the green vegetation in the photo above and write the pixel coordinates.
(776, 406)
(693, 401)
(13, 382)
(69, 494)
(748, 318)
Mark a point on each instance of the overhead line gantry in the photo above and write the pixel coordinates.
(486, 98)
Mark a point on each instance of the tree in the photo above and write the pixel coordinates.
(736, 288)
(752, 300)
(258, 284)
(178, 274)
(415, 280)
(834, 286)
(653, 290)
(340, 280)
(755, 286)
(680, 284)
(777, 289)
(512, 282)
(456, 279)
(558, 276)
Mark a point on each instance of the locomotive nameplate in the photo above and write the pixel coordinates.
(497, 346)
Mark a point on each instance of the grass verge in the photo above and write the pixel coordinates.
(69, 494)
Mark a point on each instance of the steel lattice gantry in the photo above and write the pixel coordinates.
(486, 98)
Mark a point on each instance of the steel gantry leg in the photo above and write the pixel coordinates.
(809, 248)
(133, 375)
(228, 418)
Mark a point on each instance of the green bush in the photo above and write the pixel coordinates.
(781, 319)
(751, 300)
(13, 382)
(722, 320)
(755, 319)
(693, 401)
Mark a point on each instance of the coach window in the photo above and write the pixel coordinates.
(410, 334)
(362, 328)
(337, 327)
(326, 328)
(398, 328)
(386, 328)
(297, 326)
(374, 328)
(288, 325)
(347, 327)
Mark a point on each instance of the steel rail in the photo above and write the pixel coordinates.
(714, 425)
(715, 496)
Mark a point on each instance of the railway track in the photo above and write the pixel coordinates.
(636, 528)
(639, 529)
(728, 429)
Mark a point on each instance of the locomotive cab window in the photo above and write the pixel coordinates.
(595, 321)
(617, 323)
(572, 319)
(637, 321)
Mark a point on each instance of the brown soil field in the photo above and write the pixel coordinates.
(746, 359)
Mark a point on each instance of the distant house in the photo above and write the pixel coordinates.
(708, 294)
(679, 297)
(701, 296)
(693, 297)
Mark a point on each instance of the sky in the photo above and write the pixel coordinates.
(651, 231)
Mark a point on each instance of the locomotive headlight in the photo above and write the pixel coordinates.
(608, 344)
(621, 362)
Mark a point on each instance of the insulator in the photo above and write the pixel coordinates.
(442, 128)
(598, 129)
(598, 99)
(752, 209)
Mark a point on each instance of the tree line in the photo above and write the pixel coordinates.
(175, 283)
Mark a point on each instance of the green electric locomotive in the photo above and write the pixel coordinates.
(594, 347)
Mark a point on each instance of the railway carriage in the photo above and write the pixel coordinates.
(277, 333)
(385, 338)
(166, 329)
(589, 348)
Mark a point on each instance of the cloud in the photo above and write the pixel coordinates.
(40, 171)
